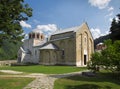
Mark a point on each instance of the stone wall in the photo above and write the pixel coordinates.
(7, 62)
(66, 53)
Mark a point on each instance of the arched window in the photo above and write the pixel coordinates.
(62, 44)
(85, 39)
(33, 35)
(38, 35)
(42, 37)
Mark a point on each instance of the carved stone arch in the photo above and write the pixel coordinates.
(47, 57)
(90, 45)
(54, 57)
(85, 40)
(85, 48)
(86, 34)
(62, 51)
(70, 49)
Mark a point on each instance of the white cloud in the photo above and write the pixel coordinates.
(97, 33)
(110, 14)
(110, 8)
(46, 29)
(117, 19)
(101, 4)
(110, 19)
(25, 37)
(24, 24)
(36, 21)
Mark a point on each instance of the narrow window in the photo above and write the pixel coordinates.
(85, 40)
(85, 59)
(63, 54)
(33, 35)
(38, 36)
(41, 37)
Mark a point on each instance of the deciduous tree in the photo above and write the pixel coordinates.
(109, 58)
(11, 13)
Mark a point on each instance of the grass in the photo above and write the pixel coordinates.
(14, 83)
(101, 81)
(44, 69)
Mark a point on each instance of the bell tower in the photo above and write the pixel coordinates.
(36, 37)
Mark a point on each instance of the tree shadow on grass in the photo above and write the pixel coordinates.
(87, 86)
(101, 77)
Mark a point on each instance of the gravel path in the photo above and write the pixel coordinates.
(11, 72)
(42, 81)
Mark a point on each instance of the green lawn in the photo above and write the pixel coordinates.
(14, 83)
(101, 81)
(44, 69)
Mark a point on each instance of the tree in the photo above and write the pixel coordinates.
(8, 51)
(95, 61)
(11, 13)
(108, 58)
(115, 29)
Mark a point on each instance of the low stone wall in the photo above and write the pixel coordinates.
(7, 62)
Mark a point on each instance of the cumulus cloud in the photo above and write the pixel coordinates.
(110, 19)
(24, 24)
(110, 14)
(97, 33)
(36, 21)
(101, 4)
(46, 29)
(110, 8)
(25, 37)
(117, 19)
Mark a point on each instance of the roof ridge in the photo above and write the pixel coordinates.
(66, 30)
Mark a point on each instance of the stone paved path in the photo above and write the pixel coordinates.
(42, 81)
(47, 81)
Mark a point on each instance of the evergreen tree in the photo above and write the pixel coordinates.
(11, 13)
(115, 29)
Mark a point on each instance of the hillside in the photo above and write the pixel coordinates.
(8, 51)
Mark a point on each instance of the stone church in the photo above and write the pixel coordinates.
(71, 46)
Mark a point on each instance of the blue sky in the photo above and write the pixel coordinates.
(50, 15)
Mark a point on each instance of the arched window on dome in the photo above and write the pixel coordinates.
(33, 35)
(42, 37)
(38, 36)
